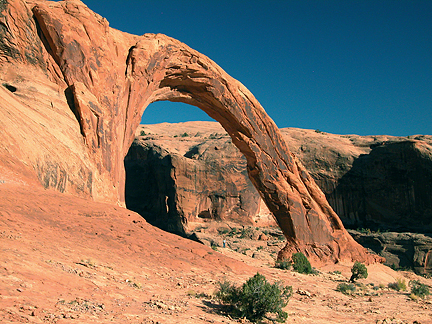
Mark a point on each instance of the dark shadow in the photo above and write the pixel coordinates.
(10, 87)
(388, 189)
(216, 308)
(150, 190)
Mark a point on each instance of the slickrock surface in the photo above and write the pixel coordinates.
(69, 260)
(77, 88)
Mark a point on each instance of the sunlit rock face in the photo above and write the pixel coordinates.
(82, 87)
(374, 182)
(186, 173)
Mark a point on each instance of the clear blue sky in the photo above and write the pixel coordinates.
(345, 67)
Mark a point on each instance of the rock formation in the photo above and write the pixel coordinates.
(61, 61)
(375, 182)
(401, 250)
(181, 174)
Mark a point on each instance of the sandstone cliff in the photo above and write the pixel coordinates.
(73, 93)
(375, 182)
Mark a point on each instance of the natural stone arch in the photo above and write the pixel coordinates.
(114, 76)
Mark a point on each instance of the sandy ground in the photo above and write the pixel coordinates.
(70, 260)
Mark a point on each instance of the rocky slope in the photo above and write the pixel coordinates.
(375, 182)
(73, 93)
(71, 260)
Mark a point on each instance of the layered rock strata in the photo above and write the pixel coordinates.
(401, 250)
(374, 182)
(105, 79)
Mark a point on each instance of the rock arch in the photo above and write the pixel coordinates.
(113, 76)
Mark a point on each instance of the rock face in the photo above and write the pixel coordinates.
(374, 182)
(401, 250)
(178, 174)
(105, 79)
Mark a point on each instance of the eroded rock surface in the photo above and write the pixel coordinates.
(101, 82)
(401, 250)
(178, 174)
(374, 182)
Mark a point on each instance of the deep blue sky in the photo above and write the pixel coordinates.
(345, 67)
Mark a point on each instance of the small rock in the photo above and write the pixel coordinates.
(263, 237)
(304, 293)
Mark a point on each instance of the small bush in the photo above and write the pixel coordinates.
(256, 298)
(419, 289)
(284, 265)
(142, 133)
(358, 271)
(184, 134)
(399, 285)
(301, 264)
(347, 289)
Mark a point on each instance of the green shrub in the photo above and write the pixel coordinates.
(300, 263)
(345, 288)
(358, 271)
(399, 285)
(419, 289)
(256, 298)
(284, 265)
(142, 133)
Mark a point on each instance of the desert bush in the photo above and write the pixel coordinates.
(284, 265)
(142, 133)
(256, 299)
(346, 288)
(358, 271)
(300, 263)
(223, 230)
(399, 285)
(419, 289)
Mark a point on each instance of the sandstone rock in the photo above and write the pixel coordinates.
(376, 182)
(107, 78)
(401, 250)
(263, 237)
(185, 176)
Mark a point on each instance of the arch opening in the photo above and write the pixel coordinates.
(183, 174)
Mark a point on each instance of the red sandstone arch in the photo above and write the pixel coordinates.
(114, 76)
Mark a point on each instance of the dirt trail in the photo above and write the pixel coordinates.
(70, 260)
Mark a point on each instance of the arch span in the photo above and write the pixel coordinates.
(114, 76)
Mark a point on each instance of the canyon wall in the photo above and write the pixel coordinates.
(375, 182)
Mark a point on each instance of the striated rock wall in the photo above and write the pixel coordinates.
(179, 174)
(374, 182)
(401, 250)
(81, 88)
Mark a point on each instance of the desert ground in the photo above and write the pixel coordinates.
(70, 260)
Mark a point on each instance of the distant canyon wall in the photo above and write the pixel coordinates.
(176, 176)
